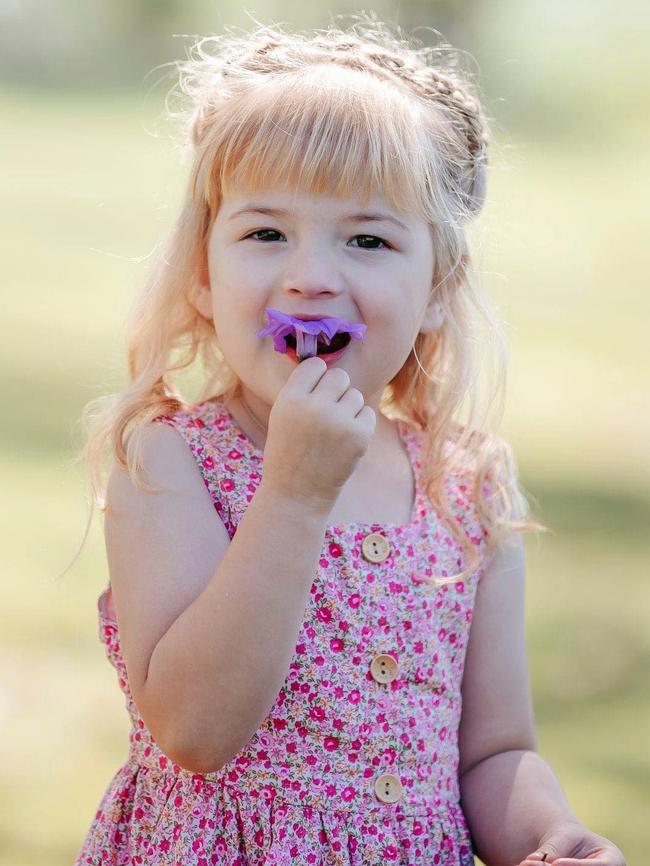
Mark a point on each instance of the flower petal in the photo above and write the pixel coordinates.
(281, 325)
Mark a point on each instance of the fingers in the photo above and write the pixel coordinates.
(319, 428)
(307, 374)
(603, 857)
(368, 417)
(313, 376)
(334, 384)
(585, 861)
(571, 861)
(353, 399)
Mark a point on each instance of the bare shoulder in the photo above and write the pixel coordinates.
(166, 461)
(497, 710)
(162, 548)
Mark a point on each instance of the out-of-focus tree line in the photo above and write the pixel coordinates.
(551, 67)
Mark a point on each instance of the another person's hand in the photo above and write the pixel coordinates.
(572, 844)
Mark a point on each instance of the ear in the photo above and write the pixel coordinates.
(434, 316)
(202, 299)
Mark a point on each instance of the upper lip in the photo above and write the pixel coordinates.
(309, 317)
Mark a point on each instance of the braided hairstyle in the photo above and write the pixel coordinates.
(426, 75)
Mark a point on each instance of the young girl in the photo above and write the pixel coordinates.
(316, 566)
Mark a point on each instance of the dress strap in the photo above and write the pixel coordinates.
(223, 466)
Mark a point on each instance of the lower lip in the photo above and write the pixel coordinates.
(329, 359)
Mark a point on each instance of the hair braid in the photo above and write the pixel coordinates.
(453, 95)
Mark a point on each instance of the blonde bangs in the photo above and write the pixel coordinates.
(315, 133)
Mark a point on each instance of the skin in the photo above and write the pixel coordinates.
(316, 261)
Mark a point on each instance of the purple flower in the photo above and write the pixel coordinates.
(307, 333)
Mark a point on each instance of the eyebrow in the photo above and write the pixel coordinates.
(357, 217)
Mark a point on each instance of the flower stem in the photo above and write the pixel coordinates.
(305, 345)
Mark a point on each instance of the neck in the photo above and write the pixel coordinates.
(252, 417)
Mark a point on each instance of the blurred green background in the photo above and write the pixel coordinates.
(91, 181)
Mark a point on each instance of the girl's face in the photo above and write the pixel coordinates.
(315, 255)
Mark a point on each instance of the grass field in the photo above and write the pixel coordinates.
(88, 195)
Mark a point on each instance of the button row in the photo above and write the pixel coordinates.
(376, 548)
(388, 787)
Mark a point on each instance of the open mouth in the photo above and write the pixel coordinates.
(339, 341)
(327, 336)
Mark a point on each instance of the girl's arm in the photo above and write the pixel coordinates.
(208, 625)
(510, 796)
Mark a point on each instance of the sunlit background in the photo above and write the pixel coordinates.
(91, 180)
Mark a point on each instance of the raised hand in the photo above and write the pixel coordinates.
(319, 428)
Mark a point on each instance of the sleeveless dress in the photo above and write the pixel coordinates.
(356, 763)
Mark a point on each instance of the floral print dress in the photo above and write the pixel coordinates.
(356, 763)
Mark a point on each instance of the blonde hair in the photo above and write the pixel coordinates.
(271, 106)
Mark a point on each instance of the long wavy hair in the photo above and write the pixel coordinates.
(364, 109)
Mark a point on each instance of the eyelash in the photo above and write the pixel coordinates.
(368, 249)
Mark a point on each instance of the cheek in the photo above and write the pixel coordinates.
(236, 300)
(238, 315)
(392, 331)
(389, 316)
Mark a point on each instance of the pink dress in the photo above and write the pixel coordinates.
(357, 761)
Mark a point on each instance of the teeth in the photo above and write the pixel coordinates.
(339, 341)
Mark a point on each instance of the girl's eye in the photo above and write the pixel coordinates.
(372, 238)
(364, 238)
(263, 232)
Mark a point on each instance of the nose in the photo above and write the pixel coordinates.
(312, 273)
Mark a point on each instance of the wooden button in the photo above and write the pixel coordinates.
(383, 668)
(388, 788)
(375, 547)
